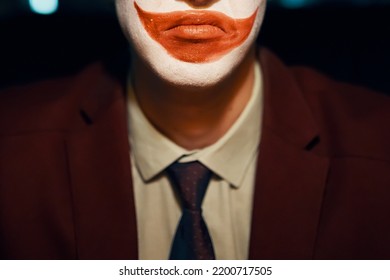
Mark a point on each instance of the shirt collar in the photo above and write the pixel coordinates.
(228, 158)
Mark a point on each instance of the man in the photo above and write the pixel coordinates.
(295, 166)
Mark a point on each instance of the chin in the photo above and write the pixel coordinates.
(184, 74)
(193, 75)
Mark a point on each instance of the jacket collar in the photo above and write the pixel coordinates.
(286, 111)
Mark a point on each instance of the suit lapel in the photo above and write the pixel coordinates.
(290, 178)
(288, 196)
(100, 174)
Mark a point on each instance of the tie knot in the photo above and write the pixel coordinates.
(190, 180)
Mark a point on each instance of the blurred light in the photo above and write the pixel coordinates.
(293, 3)
(44, 7)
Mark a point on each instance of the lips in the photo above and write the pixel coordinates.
(196, 36)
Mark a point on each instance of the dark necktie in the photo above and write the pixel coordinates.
(192, 240)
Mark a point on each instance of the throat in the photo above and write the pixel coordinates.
(194, 118)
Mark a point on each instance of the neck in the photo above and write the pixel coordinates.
(194, 118)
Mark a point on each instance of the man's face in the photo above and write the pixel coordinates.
(191, 42)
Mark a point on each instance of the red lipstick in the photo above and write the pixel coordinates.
(196, 36)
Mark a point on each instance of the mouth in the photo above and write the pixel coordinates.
(196, 36)
(197, 25)
(188, 25)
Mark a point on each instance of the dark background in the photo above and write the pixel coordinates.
(348, 40)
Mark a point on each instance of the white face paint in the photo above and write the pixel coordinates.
(177, 57)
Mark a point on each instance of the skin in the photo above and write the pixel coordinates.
(193, 103)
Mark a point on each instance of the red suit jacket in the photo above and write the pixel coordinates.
(323, 175)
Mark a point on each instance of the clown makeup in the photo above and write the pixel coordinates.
(188, 42)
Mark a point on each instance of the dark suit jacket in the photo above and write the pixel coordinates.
(323, 176)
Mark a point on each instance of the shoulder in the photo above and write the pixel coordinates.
(353, 120)
(50, 104)
(350, 98)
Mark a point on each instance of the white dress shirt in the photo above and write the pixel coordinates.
(227, 206)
